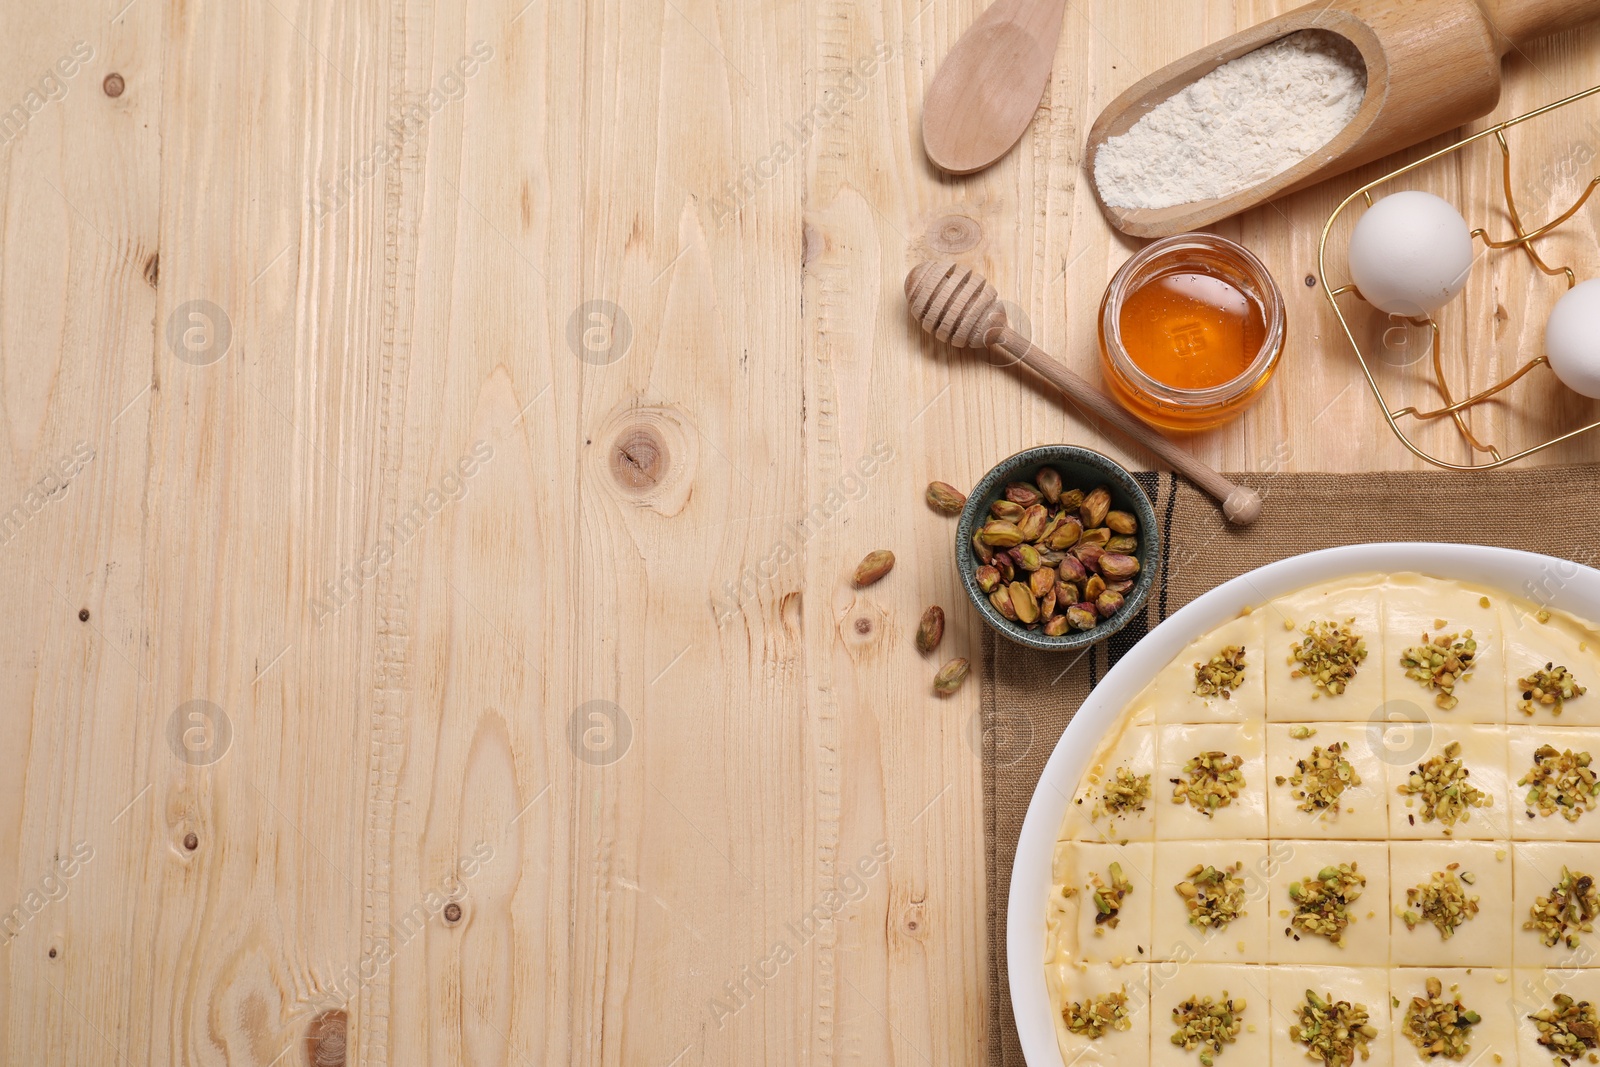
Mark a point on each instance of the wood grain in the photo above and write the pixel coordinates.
(470, 670)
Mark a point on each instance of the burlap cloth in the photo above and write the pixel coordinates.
(1028, 700)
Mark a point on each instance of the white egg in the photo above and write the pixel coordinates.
(1572, 338)
(1410, 253)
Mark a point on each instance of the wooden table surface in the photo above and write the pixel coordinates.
(438, 438)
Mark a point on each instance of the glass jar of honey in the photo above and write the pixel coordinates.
(1191, 329)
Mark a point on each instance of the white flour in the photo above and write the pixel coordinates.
(1247, 120)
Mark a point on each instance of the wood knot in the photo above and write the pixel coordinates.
(83, 614)
(912, 922)
(639, 458)
(452, 913)
(863, 626)
(647, 456)
(113, 85)
(325, 1039)
(152, 269)
(191, 841)
(953, 234)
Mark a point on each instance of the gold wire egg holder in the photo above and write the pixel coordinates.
(1523, 238)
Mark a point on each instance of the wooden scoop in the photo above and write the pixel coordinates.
(959, 305)
(1432, 65)
(990, 84)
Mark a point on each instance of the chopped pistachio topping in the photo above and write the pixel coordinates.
(1441, 782)
(1214, 896)
(1328, 654)
(1560, 781)
(1440, 1026)
(1568, 911)
(1550, 687)
(1107, 895)
(1320, 778)
(1221, 675)
(1211, 781)
(1093, 1017)
(1322, 904)
(1441, 901)
(1125, 792)
(1332, 1031)
(1543, 615)
(1568, 1028)
(1300, 731)
(1207, 1025)
(1440, 663)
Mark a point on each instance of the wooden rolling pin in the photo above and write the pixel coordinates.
(958, 305)
(1432, 65)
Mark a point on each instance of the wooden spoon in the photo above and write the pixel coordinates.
(990, 84)
(958, 305)
(1432, 65)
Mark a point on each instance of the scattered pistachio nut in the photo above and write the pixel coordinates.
(1329, 654)
(1108, 604)
(1549, 687)
(1442, 901)
(988, 578)
(1124, 792)
(1302, 731)
(1211, 781)
(1321, 904)
(1441, 662)
(1093, 1017)
(1320, 778)
(1206, 1024)
(930, 631)
(1569, 910)
(1560, 780)
(1121, 522)
(1441, 783)
(1006, 511)
(999, 533)
(1221, 674)
(942, 496)
(1049, 482)
(1332, 1031)
(1568, 1028)
(874, 567)
(1107, 896)
(1438, 1026)
(1023, 494)
(1214, 896)
(951, 676)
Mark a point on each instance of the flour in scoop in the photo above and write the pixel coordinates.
(1246, 121)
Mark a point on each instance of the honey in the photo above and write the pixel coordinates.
(1190, 331)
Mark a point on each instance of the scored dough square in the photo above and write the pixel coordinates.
(1124, 1048)
(1485, 990)
(1172, 984)
(1244, 817)
(1366, 987)
(1171, 694)
(1134, 749)
(1411, 609)
(1129, 940)
(1366, 939)
(1291, 699)
(1244, 940)
(1362, 809)
(1563, 642)
(1535, 871)
(1483, 940)
(1534, 989)
(1483, 754)
(1524, 741)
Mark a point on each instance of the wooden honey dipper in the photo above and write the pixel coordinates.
(958, 305)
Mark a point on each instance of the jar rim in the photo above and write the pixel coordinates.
(1262, 287)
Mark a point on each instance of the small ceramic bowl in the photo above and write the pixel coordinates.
(1083, 469)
